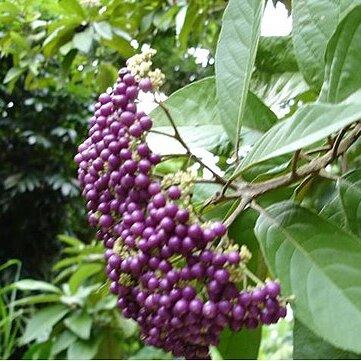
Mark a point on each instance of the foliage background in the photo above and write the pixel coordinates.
(57, 55)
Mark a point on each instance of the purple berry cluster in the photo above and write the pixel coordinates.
(163, 264)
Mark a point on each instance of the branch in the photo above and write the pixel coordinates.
(251, 191)
(177, 136)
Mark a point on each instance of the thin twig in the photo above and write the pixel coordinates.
(242, 205)
(294, 163)
(338, 141)
(177, 136)
(162, 133)
(344, 163)
(252, 191)
(318, 150)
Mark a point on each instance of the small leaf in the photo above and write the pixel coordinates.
(84, 272)
(333, 211)
(121, 45)
(107, 75)
(186, 27)
(349, 187)
(235, 56)
(72, 7)
(84, 40)
(34, 300)
(9, 8)
(34, 285)
(71, 241)
(58, 37)
(80, 324)
(13, 74)
(63, 341)
(316, 261)
(104, 29)
(83, 350)
(42, 322)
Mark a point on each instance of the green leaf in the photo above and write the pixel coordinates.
(111, 348)
(71, 241)
(9, 8)
(72, 7)
(150, 353)
(314, 22)
(310, 124)
(84, 272)
(242, 345)
(349, 187)
(276, 89)
(333, 211)
(308, 346)
(34, 285)
(58, 37)
(343, 61)
(80, 324)
(195, 104)
(121, 45)
(316, 261)
(63, 341)
(104, 29)
(43, 321)
(275, 55)
(84, 40)
(186, 26)
(241, 231)
(257, 115)
(33, 300)
(208, 137)
(107, 75)
(67, 61)
(12, 74)
(235, 56)
(83, 350)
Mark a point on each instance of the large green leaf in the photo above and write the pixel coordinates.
(314, 22)
(310, 124)
(195, 105)
(235, 56)
(242, 345)
(350, 193)
(80, 324)
(319, 264)
(343, 61)
(308, 346)
(42, 322)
